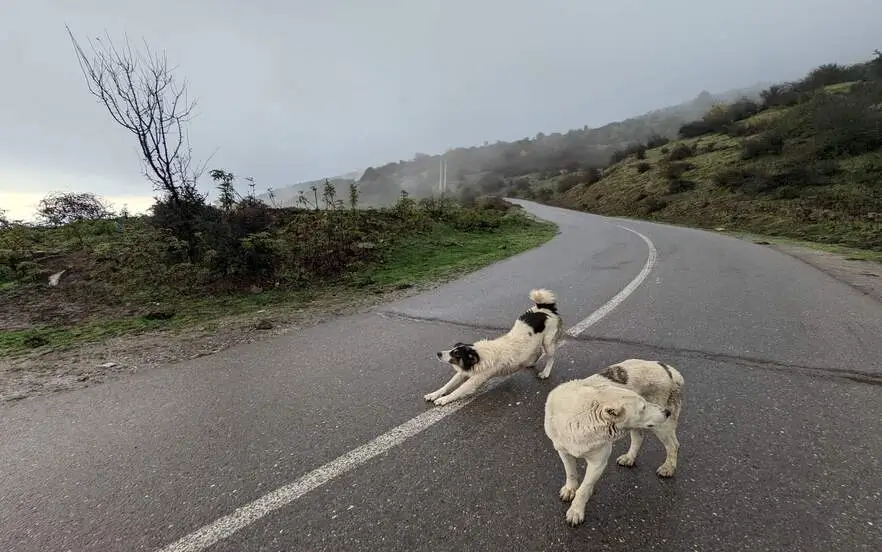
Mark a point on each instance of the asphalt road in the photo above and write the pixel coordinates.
(780, 443)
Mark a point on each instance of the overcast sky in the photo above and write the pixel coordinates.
(292, 90)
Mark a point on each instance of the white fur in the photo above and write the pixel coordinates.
(518, 349)
(584, 417)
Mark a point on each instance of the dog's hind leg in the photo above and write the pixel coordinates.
(596, 459)
(549, 346)
(571, 467)
(667, 434)
(454, 381)
(630, 457)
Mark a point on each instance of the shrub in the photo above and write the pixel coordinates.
(569, 181)
(656, 141)
(675, 170)
(682, 151)
(678, 185)
(770, 143)
(643, 167)
(749, 180)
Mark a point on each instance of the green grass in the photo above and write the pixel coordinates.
(417, 259)
(446, 252)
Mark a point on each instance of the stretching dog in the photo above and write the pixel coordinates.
(536, 332)
(584, 417)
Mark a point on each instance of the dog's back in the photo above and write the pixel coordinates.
(655, 381)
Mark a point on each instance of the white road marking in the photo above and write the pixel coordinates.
(243, 516)
(597, 315)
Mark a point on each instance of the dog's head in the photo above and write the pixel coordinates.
(625, 409)
(462, 356)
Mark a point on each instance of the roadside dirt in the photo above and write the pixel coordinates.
(93, 363)
(865, 276)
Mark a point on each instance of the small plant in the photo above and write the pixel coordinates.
(643, 167)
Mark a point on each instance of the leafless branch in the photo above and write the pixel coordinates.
(141, 94)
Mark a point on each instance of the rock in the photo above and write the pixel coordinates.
(55, 278)
(404, 285)
(263, 324)
(761, 243)
(108, 365)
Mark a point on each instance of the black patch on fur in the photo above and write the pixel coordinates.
(465, 355)
(667, 369)
(536, 320)
(615, 373)
(548, 306)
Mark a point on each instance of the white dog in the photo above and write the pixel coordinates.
(534, 333)
(584, 417)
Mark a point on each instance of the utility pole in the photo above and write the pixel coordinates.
(442, 176)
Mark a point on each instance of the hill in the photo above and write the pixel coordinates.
(493, 168)
(805, 161)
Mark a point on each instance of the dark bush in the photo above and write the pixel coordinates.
(656, 141)
(678, 185)
(770, 143)
(750, 180)
(682, 151)
(675, 170)
(643, 167)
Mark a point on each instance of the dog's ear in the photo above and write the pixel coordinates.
(614, 413)
(470, 357)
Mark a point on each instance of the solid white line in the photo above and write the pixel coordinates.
(243, 516)
(597, 315)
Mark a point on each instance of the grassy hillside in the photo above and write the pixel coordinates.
(493, 168)
(131, 274)
(803, 162)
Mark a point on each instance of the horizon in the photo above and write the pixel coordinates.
(335, 87)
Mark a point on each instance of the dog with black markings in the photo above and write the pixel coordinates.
(535, 333)
(584, 417)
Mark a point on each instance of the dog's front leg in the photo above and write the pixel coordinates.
(630, 457)
(454, 381)
(596, 464)
(464, 390)
(571, 467)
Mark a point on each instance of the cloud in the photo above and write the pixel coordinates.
(298, 90)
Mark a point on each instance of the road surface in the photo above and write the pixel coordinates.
(321, 441)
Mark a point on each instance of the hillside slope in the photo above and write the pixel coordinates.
(489, 168)
(805, 162)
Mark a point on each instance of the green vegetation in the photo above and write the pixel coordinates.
(86, 273)
(804, 162)
(126, 275)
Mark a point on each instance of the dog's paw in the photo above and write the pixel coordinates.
(567, 493)
(441, 401)
(666, 470)
(626, 460)
(543, 375)
(575, 516)
(430, 396)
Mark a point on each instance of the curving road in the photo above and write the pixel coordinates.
(321, 440)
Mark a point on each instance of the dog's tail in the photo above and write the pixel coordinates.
(544, 299)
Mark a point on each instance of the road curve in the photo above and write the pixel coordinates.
(779, 443)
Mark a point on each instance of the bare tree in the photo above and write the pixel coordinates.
(139, 90)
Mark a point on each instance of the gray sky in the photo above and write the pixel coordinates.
(296, 90)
